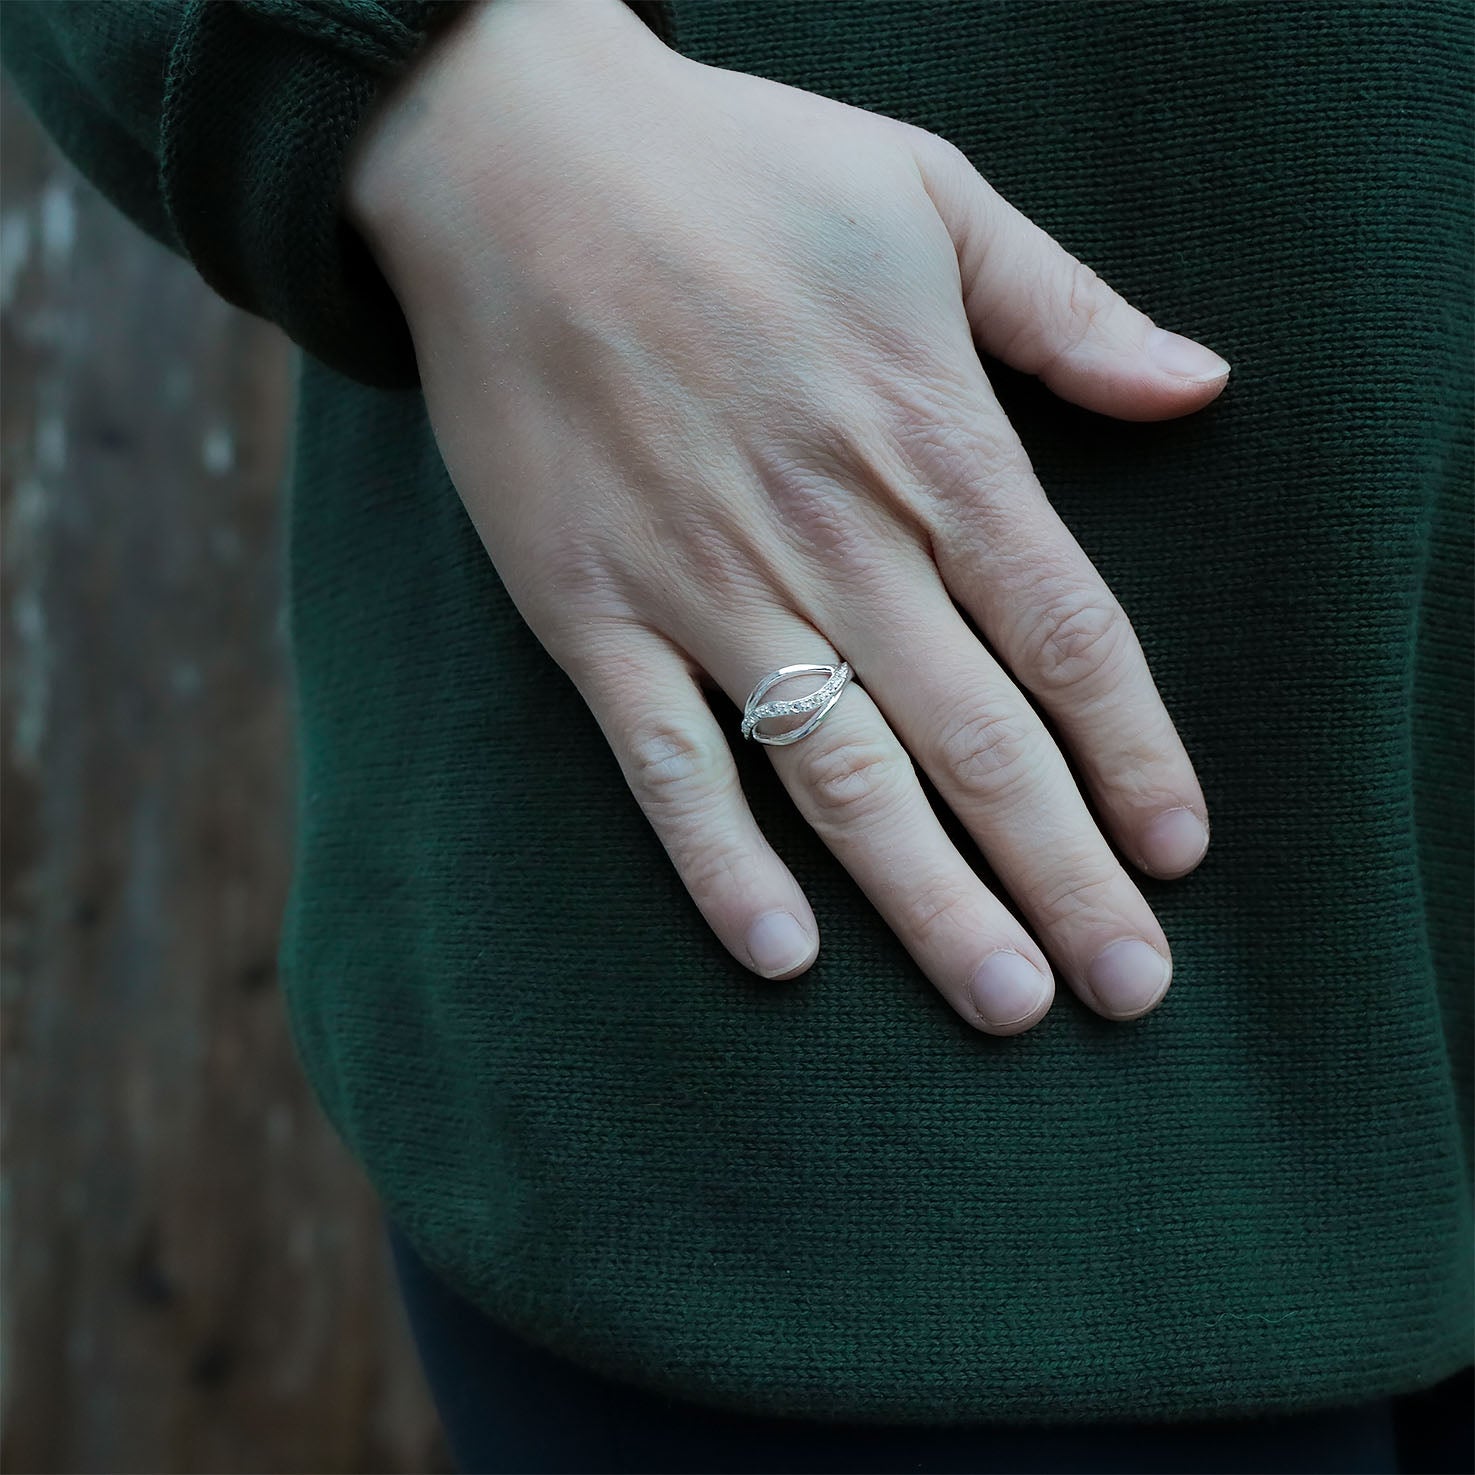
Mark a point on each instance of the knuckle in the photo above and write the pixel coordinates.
(1080, 890)
(712, 871)
(990, 754)
(1077, 307)
(849, 779)
(671, 769)
(931, 910)
(564, 575)
(602, 655)
(1079, 638)
(971, 478)
(973, 458)
(1087, 298)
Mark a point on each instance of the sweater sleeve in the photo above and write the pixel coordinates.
(222, 128)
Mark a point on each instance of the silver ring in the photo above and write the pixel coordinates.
(756, 709)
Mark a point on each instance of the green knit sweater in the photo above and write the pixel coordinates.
(832, 1197)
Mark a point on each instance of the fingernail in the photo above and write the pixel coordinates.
(1127, 975)
(1174, 841)
(1006, 988)
(777, 943)
(1182, 356)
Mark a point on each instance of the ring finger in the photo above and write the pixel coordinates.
(857, 788)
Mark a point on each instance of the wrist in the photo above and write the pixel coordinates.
(496, 58)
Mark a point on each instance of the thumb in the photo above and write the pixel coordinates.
(1033, 305)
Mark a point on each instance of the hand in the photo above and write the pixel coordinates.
(698, 351)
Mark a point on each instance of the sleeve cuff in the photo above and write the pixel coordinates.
(262, 100)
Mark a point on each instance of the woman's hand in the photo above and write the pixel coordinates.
(698, 350)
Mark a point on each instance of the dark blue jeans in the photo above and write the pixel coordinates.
(508, 1406)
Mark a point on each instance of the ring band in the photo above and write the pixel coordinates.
(819, 702)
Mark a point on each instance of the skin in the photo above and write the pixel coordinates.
(700, 352)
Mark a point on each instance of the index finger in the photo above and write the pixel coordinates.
(1016, 569)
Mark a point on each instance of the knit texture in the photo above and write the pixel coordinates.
(831, 1197)
(255, 202)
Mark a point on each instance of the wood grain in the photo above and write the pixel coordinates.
(194, 1276)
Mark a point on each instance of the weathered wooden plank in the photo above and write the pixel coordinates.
(194, 1278)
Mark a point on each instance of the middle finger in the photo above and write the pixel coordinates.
(995, 763)
(1006, 556)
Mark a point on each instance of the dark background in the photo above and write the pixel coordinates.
(193, 1271)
